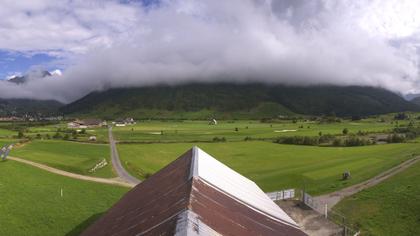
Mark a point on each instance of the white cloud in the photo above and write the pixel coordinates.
(108, 44)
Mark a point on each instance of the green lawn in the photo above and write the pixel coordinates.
(275, 166)
(5, 133)
(70, 156)
(31, 203)
(4, 141)
(390, 208)
(191, 131)
(100, 133)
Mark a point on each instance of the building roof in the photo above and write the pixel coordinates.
(88, 122)
(195, 195)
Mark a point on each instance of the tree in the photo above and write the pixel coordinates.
(20, 134)
(57, 135)
(345, 131)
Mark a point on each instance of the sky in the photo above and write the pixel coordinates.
(102, 44)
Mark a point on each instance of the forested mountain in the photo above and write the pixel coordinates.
(20, 107)
(227, 100)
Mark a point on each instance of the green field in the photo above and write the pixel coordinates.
(31, 202)
(100, 133)
(5, 133)
(275, 166)
(69, 156)
(192, 131)
(390, 208)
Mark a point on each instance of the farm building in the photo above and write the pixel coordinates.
(87, 123)
(195, 195)
(124, 122)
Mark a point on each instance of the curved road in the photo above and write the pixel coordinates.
(116, 163)
(113, 181)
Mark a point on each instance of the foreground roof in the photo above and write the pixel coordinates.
(195, 195)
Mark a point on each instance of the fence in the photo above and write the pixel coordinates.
(282, 195)
(330, 214)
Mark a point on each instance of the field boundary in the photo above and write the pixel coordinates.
(331, 199)
(113, 181)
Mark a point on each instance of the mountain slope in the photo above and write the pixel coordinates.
(225, 100)
(416, 101)
(19, 107)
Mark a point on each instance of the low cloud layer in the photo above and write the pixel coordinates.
(107, 44)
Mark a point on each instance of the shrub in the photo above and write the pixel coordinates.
(217, 139)
(396, 138)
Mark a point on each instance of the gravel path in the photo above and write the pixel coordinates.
(312, 223)
(333, 198)
(113, 181)
(116, 163)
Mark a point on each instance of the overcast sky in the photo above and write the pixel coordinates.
(102, 44)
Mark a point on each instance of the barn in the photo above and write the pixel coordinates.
(195, 195)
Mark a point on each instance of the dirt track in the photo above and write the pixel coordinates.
(333, 198)
(113, 181)
(312, 223)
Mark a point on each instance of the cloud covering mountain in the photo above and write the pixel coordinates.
(106, 44)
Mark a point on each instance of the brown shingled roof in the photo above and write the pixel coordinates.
(174, 201)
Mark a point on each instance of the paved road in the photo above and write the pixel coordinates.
(113, 181)
(333, 198)
(116, 163)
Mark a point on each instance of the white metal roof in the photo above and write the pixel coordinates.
(237, 186)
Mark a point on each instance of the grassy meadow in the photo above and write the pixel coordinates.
(32, 205)
(31, 202)
(201, 131)
(276, 166)
(390, 208)
(69, 156)
(5, 133)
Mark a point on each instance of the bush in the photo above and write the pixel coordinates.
(57, 135)
(401, 116)
(217, 139)
(326, 138)
(337, 142)
(396, 138)
(298, 140)
(353, 141)
(20, 134)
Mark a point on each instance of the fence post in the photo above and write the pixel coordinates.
(326, 211)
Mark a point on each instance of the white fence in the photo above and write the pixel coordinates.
(281, 195)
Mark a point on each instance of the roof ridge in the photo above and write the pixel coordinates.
(194, 162)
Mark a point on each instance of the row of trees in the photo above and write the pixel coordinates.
(65, 134)
(326, 140)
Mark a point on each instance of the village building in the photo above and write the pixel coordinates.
(195, 195)
(87, 123)
(213, 122)
(11, 118)
(120, 122)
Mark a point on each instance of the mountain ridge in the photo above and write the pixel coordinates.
(237, 101)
